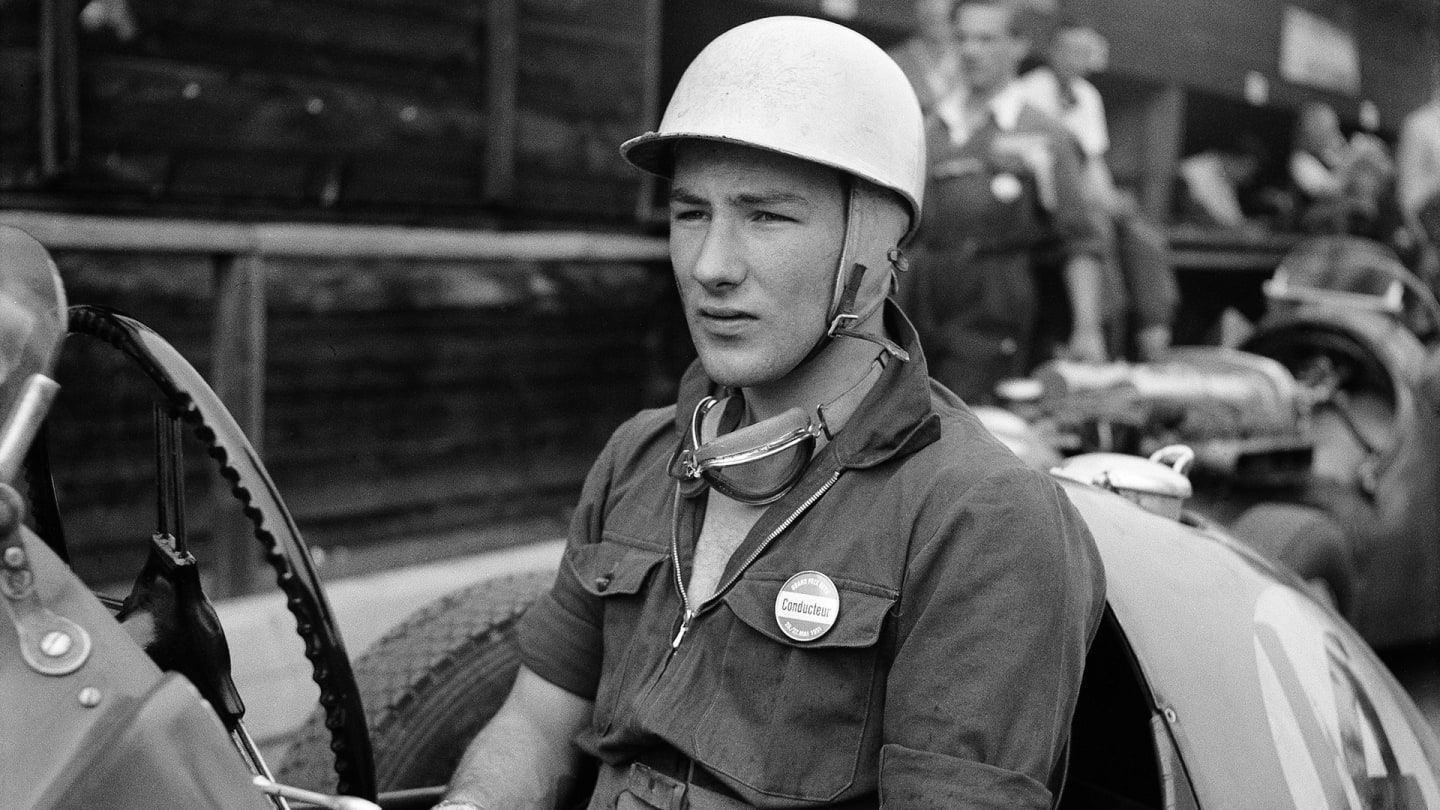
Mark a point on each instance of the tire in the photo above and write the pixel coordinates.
(1307, 541)
(428, 687)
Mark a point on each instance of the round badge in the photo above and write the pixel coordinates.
(807, 606)
(1006, 187)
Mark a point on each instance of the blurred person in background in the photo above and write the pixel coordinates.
(1418, 181)
(931, 56)
(1217, 183)
(1343, 185)
(1139, 277)
(1007, 205)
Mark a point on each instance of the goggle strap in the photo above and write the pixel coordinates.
(891, 347)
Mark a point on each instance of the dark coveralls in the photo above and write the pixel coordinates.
(969, 591)
(1003, 213)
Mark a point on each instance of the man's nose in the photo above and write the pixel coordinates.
(719, 261)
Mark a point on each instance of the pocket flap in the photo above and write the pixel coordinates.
(609, 568)
(858, 623)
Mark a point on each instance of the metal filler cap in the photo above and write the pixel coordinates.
(1159, 483)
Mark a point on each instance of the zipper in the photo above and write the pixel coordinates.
(689, 611)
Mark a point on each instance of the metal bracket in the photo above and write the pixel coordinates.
(50, 644)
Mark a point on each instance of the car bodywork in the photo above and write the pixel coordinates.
(1285, 693)
(1316, 440)
(1216, 681)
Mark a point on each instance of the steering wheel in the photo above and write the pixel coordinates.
(198, 648)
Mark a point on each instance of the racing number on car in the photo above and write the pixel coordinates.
(1335, 748)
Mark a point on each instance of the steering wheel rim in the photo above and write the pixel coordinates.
(188, 395)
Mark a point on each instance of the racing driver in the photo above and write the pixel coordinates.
(816, 581)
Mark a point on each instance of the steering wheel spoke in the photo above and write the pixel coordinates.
(167, 609)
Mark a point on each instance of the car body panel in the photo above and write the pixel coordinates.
(116, 731)
(1259, 723)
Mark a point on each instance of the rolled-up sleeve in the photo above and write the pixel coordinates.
(1077, 226)
(1001, 602)
(560, 636)
(921, 780)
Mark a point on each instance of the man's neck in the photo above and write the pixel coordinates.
(834, 371)
(980, 98)
(939, 47)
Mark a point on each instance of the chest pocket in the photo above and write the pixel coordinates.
(620, 573)
(796, 719)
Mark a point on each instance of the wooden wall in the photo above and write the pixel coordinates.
(403, 399)
(498, 112)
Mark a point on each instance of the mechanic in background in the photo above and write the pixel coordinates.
(1007, 218)
(1343, 185)
(1138, 273)
(817, 581)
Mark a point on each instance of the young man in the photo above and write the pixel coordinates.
(1007, 216)
(816, 581)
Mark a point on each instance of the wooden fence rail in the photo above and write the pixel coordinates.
(239, 251)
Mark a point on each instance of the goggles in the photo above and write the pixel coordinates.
(759, 463)
(756, 464)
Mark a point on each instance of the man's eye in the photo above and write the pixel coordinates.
(770, 216)
(686, 214)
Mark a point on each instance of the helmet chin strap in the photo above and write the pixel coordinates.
(861, 221)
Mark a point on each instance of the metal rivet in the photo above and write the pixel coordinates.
(191, 91)
(315, 106)
(1170, 715)
(55, 643)
(14, 556)
(89, 697)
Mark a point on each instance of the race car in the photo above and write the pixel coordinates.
(1316, 439)
(1217, 679)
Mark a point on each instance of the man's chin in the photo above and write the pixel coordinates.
(732, 374)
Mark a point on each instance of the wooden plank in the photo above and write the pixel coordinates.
(323, 37)
(888, 16)
(589, 34)
(80, 232)
(237, 373)
(142, 103)
(19, 114)
(502, 101)
(394, 242)
(577, 84)
(456, 10)
(19, 25)
(647, 185)
(549, 188)
(595, 15)
(418, 180)
(59, 119)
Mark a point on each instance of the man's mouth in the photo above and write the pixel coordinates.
(724, 313)
(724, 319)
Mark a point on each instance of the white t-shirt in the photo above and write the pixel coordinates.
(1418, 158)
(1085, 118)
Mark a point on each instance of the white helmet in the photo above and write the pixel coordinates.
(820, 92)
(803, 87)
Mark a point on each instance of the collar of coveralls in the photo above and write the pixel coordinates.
(894, 419)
